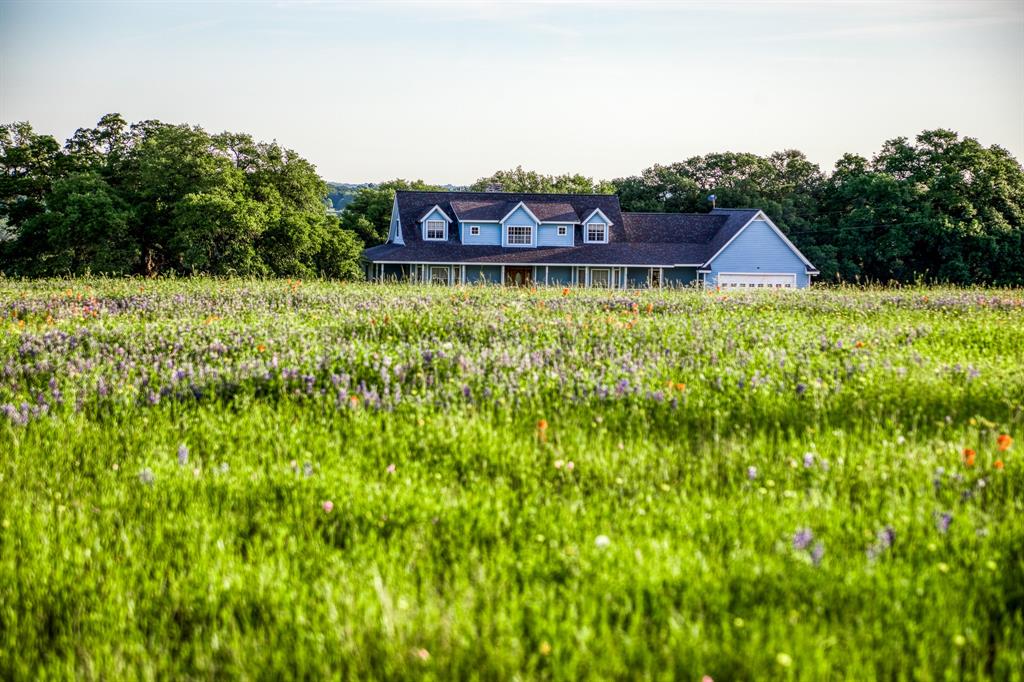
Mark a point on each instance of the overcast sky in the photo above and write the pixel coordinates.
(449, 92)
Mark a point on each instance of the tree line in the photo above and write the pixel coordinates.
(152, 198)
(940, 208)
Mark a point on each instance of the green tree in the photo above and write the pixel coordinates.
(941, 208)
(87, 228)
(519, 180)
(339, 253)
(152, 197)
(368, 215)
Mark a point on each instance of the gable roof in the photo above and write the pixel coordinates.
(738, 221)
(433, 208)
(516, 207)
(590, 215)
(494, 206)
(642, 239)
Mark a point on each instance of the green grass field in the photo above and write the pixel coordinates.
(237, 479)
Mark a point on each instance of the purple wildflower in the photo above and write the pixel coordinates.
(808, 460)
(751, 473)
(182, 455)
(817, 553)
(801, 388)
(146, 476)
(943, 521)
(802, 538)
(886, 536)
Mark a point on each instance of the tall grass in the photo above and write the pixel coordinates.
(542, 485)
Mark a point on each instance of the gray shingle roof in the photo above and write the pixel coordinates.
(658, 239)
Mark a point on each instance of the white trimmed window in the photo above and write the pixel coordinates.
(435, 230)
(439, 274)
(600, 277)
(563, 230)
(519, 235)
(474, 230)
(597, 232)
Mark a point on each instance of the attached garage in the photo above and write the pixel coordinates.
(757, 280)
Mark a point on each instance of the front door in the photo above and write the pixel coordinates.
(518, 277)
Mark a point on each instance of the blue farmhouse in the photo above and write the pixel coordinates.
(579, 240)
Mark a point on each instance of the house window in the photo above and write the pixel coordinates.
(439, 275)
(655, 277)
(563, 230)
(474, 230)
(435, 229)
(597, 232)
(600, 277)
(520, 235)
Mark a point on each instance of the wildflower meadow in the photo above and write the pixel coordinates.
(277, 479)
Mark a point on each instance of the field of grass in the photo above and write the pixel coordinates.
(239, 479)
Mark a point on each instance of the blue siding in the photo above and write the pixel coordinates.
(547, 235)
(637, 278)
(490, 234)
(490, 274)
(679, 277)
(393, 229)
(519, 217)
(559, 275)
(758, 249)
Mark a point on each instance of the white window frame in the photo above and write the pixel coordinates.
(586, 233)
(608, 283)
(508, 235)
(439, 280)
(474, 230)
(427, 228)
(563, 230)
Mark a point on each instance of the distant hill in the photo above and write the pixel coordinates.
(340, 194)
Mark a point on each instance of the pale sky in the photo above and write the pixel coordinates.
(449, 92)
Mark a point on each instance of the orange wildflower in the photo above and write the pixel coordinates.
(260, 348)
(542, 425)
(636, 307)
(680, 387)
(998, 464)
(969, 457)
(650, 307)
(1003, 442)
(565, 291)
(859, 344)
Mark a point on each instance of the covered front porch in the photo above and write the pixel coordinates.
(588, 276)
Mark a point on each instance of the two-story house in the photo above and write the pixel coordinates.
(579, 240)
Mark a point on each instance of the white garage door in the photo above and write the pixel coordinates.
(756, 280)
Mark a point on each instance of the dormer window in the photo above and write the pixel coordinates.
(597, 232)
(436, 230)
(520, 235)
